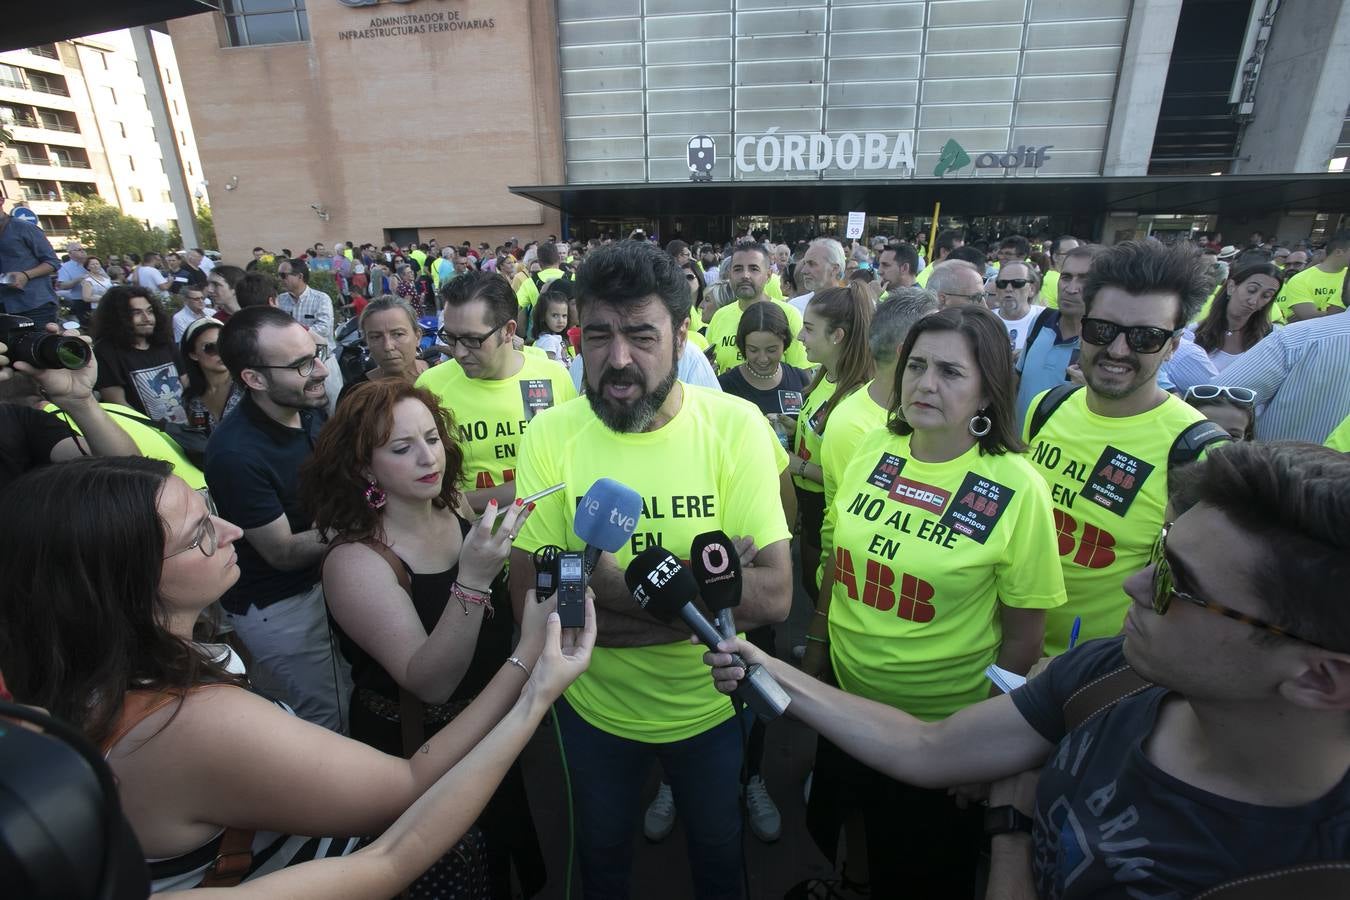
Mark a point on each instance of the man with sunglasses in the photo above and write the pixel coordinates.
(1218, 753)
(1106, 450)
(253, 470)
(492, 389)
(1014, 288)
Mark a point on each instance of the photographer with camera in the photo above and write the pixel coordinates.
(26, 264)
(65, 369)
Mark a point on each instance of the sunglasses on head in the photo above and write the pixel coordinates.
(1140, 338)
(1239, 395)
(1014, 283)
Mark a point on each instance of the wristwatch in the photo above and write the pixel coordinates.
(1006, 820)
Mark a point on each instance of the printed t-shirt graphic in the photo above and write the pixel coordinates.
(721, 336)
(1108, 483)
(491, 416)
(810, 430)
(713, 466)
(1312, 285)
(924, 553)
(856, 416)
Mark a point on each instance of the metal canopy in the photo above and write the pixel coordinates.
(28, 24)
(1210, 195)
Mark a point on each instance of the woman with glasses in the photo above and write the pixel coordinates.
(97, 627)
(211, 393)
(1239, 317)
(1231, 408)
(945, 560)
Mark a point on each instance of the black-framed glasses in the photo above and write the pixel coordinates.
(1140, 338)
(1240, 395)
(470, 341)
(304, 368)
(1164, 589)
(205, 539)
(1014, 283)
(977, 297)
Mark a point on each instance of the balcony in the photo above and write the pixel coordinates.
(51, 171)
(48, 52)
(44, 207)
(36, 132)
(23, 94)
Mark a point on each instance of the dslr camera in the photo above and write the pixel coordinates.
(41, 350)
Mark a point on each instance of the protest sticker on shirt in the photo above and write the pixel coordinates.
(886, 471)
(790, 402)
(1115, 480)
(979, 505)
(537, 395)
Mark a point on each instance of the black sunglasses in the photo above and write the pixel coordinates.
(1140, 338)
(210, 348)
(1015, 283)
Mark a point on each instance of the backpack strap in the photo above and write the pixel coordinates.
(234, 854)
(1050, 401)
(1042, 322)
(1196, 439)
(410, 709)
(1101, 694)
(1319, 879)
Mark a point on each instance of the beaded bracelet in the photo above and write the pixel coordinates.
(465, 596)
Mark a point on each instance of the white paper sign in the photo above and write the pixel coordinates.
(856, 220)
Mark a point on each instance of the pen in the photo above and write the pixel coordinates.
(539, 495)
(1073, 632)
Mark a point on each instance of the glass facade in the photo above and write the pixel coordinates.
(640, 78)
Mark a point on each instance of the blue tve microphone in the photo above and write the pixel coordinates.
(667, 590)
(606, 518)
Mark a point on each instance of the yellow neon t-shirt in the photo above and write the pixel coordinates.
(153, 443)
(774, 289)
(857, 416)
(1340, 438)
(723, 450)
(924, 554)
(1312, 285)
(491, 415)
(1050, 289)
(721, 334)
(924, 274)
(810, 429)
(1108, 482)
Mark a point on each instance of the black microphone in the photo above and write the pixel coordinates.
(717, 569)
(666, 590)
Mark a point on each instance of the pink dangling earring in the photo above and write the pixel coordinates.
(374, 496)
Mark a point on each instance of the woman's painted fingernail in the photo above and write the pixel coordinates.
(531, 506)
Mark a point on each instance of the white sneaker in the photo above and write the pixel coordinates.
(765, 821)
(659, 821)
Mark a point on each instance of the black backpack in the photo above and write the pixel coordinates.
(1189, 444)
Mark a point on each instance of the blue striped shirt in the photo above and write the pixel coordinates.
(1302, 375)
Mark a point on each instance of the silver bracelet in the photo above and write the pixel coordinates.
(515, 661)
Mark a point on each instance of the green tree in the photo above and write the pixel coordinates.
(104, 229)
(206, 227)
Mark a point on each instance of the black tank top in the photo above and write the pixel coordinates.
(430, 594)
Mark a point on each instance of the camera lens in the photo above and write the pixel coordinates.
(51, 351)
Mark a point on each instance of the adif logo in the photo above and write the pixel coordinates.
(953, 157)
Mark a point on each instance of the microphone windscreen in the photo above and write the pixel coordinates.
(717, 570)
(660, 583)
(607, 515)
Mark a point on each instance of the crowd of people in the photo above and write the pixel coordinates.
(274, 552)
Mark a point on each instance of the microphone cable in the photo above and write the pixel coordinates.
(545, 564)
(739, 711)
